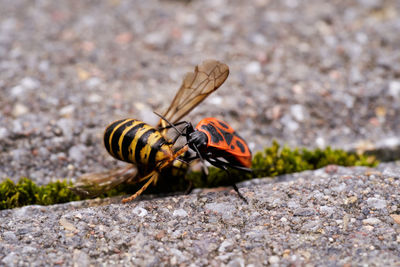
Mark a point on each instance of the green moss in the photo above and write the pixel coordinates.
(26, 192)
(276, 160)
(273, 161)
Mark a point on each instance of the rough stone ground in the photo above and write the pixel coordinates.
(330, 217)
(307, 73)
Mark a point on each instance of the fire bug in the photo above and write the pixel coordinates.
(216, 142)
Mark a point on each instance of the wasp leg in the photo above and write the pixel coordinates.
(223, 165)
(153, 176)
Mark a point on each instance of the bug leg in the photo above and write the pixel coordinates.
(240, 168)
(239, 194)
(204, 175)
(172, 126)
(188, 157)
(176, 139)
(153, 176)
(237, 189)
(222, 165)
(204, 167)
(189, 188)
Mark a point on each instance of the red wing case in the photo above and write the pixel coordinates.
(225, 141)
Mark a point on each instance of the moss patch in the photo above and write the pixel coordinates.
(26, 192)
(273, 161)
(276, 160)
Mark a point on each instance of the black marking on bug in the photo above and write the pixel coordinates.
(223, 125)
(228, 136)
(233, 147)
(215, 136)
(117, 134)
(141, 143)
(126, 142)
(154, 149)
(240, 145)
(240, 138)
(108, 132)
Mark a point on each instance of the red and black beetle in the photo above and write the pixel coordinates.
(219, 144)
(216, 142)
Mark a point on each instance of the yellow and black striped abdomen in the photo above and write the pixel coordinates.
(136, 142)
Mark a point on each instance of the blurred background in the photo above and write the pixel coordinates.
(305, 73)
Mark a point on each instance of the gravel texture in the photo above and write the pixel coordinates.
(330, 217)
(307, 73)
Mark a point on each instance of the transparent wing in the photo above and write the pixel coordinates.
(196, 86)
(94, 184)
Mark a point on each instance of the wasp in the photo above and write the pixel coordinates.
(218, 143)
(148, 150)
(136, 142)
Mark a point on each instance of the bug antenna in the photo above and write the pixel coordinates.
(182, 160)
(170, 124)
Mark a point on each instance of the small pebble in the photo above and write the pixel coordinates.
(180, 213)
(77, 153)
(376, 203)
(141, 212)
(4, 133)
(394, 88)
(396, 218)
(9, 236)
(253, 67)
(19, 110)
(227, 245)
(10, 259)
(371, 221)
(273, 259)
(304, 212)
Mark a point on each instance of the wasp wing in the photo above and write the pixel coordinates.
(196, 86)
(94, 184)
